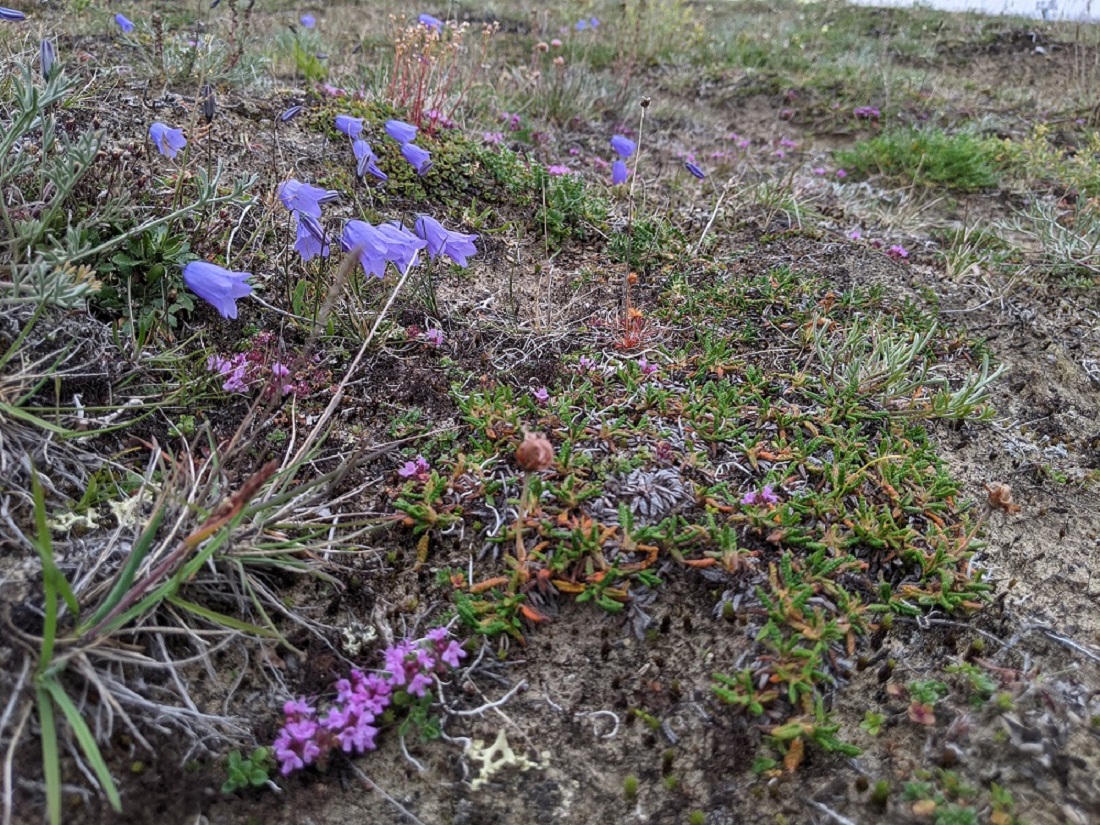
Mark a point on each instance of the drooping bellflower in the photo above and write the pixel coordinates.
(310, 240)
(217, 286)
(624, 147)
(301, 197)
(402, 247)
(168, 141)
(401, 131)
(441, 241)
(364, 240)
(421, 159)
(124, 23)
(350, 126)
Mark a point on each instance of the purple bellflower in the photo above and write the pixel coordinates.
(124, 23)
(311, 239)
(619, 173)
(301, 197)
(421, 159)
(168, 141)
(11, 15)
(402, 247)
(290, 113)
(217, 286)
(368, 243)
(440, 241)
(401, 131)
(624, 147)
(367, 161)
(431, 22)
(308, 20)
(695, 170)
(350, 126)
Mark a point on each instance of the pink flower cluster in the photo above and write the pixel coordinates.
(245, 371)
(764, 496)
(348, 723)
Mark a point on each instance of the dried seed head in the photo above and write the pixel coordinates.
(542, 47)
(645, 102)
(535, 453)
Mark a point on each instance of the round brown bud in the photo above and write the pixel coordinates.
(645, 102)
(542, 47)
(535, 453)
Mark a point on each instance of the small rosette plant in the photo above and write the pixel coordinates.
(350, 722)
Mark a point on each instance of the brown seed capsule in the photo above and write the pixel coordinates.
(535, 453)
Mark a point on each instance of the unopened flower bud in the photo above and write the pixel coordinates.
(535, 453)
(542, 47)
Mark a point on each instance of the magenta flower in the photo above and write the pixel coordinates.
(558, 169)
(624, 147)
(818, 170)
(419, 469)
(402, 247)
(855, 234)
(123, 23)
(304, 198)
(168, 141)
(350, 126)
(217, 286)
(541, 396)
(619, 173)
(434, 337)
(647, 368)
(310, 240)
(493, 138)
(364, 240)
(585, 363)
(401, 131)
(421, 159)
(897, 252)
(764, 496)
(455, 245)
(840, 173)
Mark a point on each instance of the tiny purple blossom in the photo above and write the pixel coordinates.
(646, 367)
(818, 170)
(433, 23)
(305, 198)
(418, 468)
(855, 234)
(624, 147)
(168, 141)
(619, 173)
(217, 286)
(123, 23)
(493, 138)
(308, 20)
(897, 252)
(840, 173)
(581, 25)
(541, 396)
(401, 131)
(440, 241)
(421, 159)
(586, 363)
(434, 337)
(764, 496)
(558, 169)
(350, 126)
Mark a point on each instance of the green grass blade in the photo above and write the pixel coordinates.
(51, 763)
(87, 742)
(220, 618)
(52, 580)
(126, 575)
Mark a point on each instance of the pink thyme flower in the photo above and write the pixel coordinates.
(541, 396)
(764, 496)
(434, 336)
(558, 169)
(840, 173)
(897, 252)
(418, 469)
